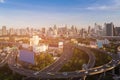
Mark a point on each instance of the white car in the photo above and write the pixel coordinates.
(50, 74)
(36, 73)
(102, 69)
(65, 73)
(95, 70)
(108, 65)
(86, 72)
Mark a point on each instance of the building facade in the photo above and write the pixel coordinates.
(109, 29)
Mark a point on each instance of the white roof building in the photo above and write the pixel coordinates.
(34, 41)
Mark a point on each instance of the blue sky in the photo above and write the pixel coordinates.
(46, 13)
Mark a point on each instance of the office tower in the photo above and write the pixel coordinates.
(98, 29)
(11, 31)
(50, 32)
(0, 32)
(89, 29)
(4, 31)
(55, 27)
(109, 29)
(117, 31)
(43, 30)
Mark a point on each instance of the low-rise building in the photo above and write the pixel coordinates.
(101, 42)
(40, 48)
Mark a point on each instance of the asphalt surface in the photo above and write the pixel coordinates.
(92, 58)
(4, 61)
(65, 57)
(51, 72)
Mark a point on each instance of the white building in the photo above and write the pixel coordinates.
(34, 41)
(101, 42)
(98, 30)
(25, 46)
(40, 48)
(60, 44)
(57, 46)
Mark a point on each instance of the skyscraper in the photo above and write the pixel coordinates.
(43, 30)
(117, 31)
(4, 31)
(109, 29)
(98, 30)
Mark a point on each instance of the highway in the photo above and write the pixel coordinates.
(51, 72)
(67, 54)
(91, 61)
(65, 57)
(4, 61)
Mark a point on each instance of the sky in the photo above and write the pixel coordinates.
(46, 13)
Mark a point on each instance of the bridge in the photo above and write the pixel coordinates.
(51, 72)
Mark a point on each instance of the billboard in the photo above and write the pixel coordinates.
(26, 56)
(99, 43)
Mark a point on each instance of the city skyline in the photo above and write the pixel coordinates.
(81, 13)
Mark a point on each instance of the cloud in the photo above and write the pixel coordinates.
(114, 6)
(2, 1)
(104, 7)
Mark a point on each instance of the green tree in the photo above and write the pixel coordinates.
(43, 60)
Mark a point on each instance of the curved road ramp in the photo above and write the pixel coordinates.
(51, 71)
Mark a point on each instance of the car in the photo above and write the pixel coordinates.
(36, 73)
(50, 74)
(14, 65)
(118, 60)
(114, 65)
(113, 60)
(108, 52)
(77, 71)
(102, 69)
(86, 72)
(108, 65)
(65, 73)
(18, 65)
(95, 70)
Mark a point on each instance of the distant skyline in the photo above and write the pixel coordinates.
(46, 13)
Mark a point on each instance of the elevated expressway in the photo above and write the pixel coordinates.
(4, 61)
(65, 57)
(51, 71)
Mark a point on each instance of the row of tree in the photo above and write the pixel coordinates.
(42, 60)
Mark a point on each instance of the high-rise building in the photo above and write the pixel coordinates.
(17, 32)
(55, 27)
(43, 31)
(55, 31)
(98, 30)
(4, 31)
(27, 31)
(89, 28)
(117, 31)
(109, 29)
(50, 32)
(0, 32)
(11, 31)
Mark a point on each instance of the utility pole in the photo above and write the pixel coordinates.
(104, 74)
(113, 70)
